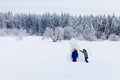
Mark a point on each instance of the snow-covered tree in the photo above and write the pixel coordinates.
(79, 37)
(103, 36)
(89, 33)
(64, 20)
(56, 35)
(1, 20)
(8, 20)
(49, 33)
(78, 32)
(114, 37)
(3, 32)
(68, 33)
(54, 21)
(59, 33)
(17, 21)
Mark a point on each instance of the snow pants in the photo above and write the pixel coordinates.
(86, 59)
(74, 60)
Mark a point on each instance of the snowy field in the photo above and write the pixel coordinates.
(35, 59)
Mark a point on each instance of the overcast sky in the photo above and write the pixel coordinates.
(83, 7)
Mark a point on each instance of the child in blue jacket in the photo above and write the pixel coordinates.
(74, 55)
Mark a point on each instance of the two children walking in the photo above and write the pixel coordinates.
(74, 55)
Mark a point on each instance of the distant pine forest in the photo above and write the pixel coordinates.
(61, 27)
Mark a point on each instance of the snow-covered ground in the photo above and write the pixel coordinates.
(36, 59)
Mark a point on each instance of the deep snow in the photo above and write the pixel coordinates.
(35, 59)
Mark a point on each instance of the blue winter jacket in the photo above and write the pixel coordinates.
(74, 54)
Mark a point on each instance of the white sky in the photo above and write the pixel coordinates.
(84, 7)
